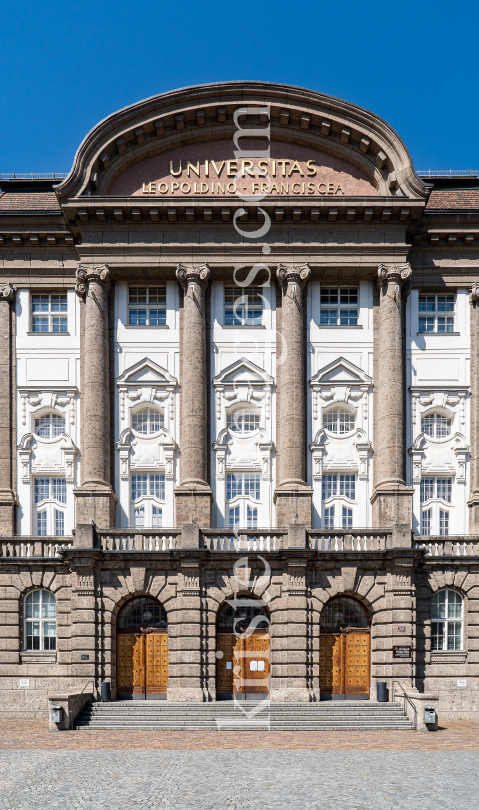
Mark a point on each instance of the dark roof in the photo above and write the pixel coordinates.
(11, 201)
(459, 199)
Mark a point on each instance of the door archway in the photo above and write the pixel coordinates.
(242, 651)
(142, 650)
(344, 658)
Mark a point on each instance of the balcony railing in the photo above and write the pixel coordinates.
(350, 540)
(33, 546)
(137, 540)
(246, 539)
(449, 173)
(33, 176)
(463, 546)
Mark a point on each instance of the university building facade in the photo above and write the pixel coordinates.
(239, 362)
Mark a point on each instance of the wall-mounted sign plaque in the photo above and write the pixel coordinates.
(402, 652)
(401, 628)
(85, 657)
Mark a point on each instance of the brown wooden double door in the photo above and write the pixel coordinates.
(243, 664)
(142, 664)
(344, 663)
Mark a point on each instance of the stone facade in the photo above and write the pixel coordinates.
(163, 421)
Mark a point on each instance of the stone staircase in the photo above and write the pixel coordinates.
(150, 715)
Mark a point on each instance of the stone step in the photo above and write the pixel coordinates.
(330, 726)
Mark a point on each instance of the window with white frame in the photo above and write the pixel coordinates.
(338, 495)
(339, 306)
(50, 497)
(49, 312)
(338, 420)
(147, 499)
(436, 425)
(243, 496)
(243, 421)
(436, 312)
(243, 306)
(49, 426)
(148, 420)
(147, 306)
(40, 627)
(436, 505)
(447, 621)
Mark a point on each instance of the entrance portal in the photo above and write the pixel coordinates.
(344, 650)
(142, 650)
(242, 653)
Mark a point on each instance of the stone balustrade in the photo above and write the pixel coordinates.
(137, 540)
(463, 546)
(251, 540)
(351, 540)
(33, 546)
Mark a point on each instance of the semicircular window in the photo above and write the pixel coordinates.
(243, 617)
(343, 612)
(338, 420)
(142, 613)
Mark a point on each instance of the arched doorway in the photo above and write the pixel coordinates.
(344, 650)
(242, 651)
(142, 650)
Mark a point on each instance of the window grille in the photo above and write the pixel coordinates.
(436, 425)
(147, 485)
(436, 312)
(343, 484)
(243, 484)
(446, 621)
(147, 306)
(339, 306)
(49, 426)
(243, 421)
(443, 523)
(243, 306)
(49, 312)
(50, 488)
(329, 517)
(148, 420)
(347, 517)
(338, 420)
(440, 488)
(40, 621)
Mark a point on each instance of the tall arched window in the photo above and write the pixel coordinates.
(40, 626)
(446, 621)
(338, 420)
(243, 421)
(148, 420)
(49, 426)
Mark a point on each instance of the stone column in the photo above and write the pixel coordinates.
(8, 499)
(95, 497)
(293, 497)
(391, 500)
(193, 495)
(473, 502)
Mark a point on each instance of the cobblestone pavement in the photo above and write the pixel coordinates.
(239, 780)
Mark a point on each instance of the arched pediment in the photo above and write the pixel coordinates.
(340, 371)
(146, 372)
(343, 139)
(243, 372)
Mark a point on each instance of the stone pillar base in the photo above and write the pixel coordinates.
(187, 694)
(96, 503)
(294, 506)
(8, 503)
(291, 694)
(392, 505)
(193, 505)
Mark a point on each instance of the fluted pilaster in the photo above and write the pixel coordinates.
(473, 502)
(7, 415)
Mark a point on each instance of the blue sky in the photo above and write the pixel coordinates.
(64, 66)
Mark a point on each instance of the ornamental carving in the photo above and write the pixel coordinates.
(286, 274)
(8, 293)
(191, 273)
(396, 273)
(87, 273)
(474, 293)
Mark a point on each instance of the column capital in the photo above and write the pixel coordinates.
(397, 273)
(87, 273)
(200, 273)
(7, 293)
(474, 293)
(300, 274)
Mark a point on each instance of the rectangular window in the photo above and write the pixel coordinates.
(49, 312)
(157, 520)
(440, 488)
(339, 306)
(139, 517)
(443, 523)
(59, 523)
(50, 489)
(152, 484)
(42, 489)
(59, 490)
(329, 517)
(147, 306)
(339, 484)
(347, 518)
(243, 484)
(426, 517)
(252, 518)
(234, 517)
(243, 306)
(436, 312)
(42, 523)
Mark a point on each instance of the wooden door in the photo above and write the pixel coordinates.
(156, 659)
(356, 664)
(142, 664)
(244, 666)
(130, 668)
(331, 664)
(344, 663)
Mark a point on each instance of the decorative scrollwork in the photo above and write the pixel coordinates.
(8, 293)
(395, 273)
(87, 273)
(286, 274)
(187, 273)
